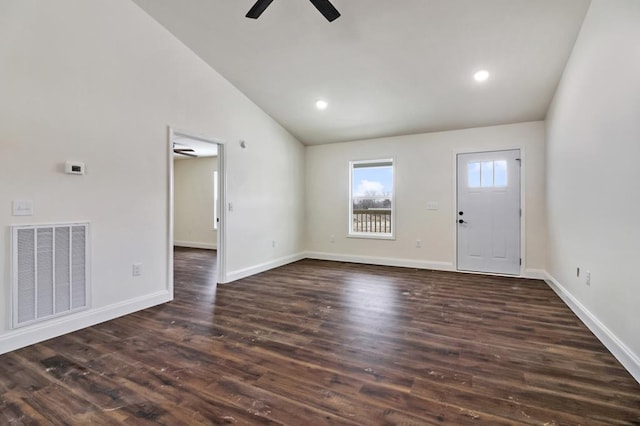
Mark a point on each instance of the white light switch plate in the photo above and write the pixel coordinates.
(23, 208)
(432, 205)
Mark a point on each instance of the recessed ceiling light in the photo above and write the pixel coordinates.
(321, 105)
(481, 75)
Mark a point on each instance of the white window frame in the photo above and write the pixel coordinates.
(373, 235)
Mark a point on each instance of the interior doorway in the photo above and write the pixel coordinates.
(197, 182)
(488, 212)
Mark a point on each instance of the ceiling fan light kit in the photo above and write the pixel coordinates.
(324, 6)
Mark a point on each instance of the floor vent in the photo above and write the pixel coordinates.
(50, 274)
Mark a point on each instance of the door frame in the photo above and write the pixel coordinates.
(222, 201)
(523, 216)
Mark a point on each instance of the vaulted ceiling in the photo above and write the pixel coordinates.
(385, 67)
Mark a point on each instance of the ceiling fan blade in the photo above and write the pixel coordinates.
(326, 8)
(258, 8)
(184, 152)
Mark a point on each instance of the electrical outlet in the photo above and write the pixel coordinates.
(332, 238)
(136, 270)
(273, 243)
(587, 278)
(418, 243)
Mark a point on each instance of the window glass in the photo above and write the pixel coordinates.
(486, 174)
(473, 171)
(371, 198)
(500, 173)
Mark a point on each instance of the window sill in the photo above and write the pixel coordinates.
(372, 236)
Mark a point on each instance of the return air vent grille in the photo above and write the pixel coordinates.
(50, 271)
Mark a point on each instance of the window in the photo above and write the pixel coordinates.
(215, 200)
(487, 174)
(371, 201)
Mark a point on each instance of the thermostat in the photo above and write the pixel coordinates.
(74, 168)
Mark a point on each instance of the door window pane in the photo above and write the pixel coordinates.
(486, 174)
(473, 172)
(500, 173)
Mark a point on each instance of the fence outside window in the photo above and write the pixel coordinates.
(372, 221)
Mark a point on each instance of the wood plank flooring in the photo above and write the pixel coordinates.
(325, 343)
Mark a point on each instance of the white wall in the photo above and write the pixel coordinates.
(99, 81)
(424, 172)
(593, 195)
(193, 218)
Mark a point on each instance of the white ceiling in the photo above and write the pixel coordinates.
(385, 67)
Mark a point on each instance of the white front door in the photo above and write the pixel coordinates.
(488, 215)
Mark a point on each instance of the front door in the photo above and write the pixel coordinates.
(488, 215)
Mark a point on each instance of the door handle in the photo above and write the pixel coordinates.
(461, 221)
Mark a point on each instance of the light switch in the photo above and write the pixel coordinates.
(23, 208)
(432, 206)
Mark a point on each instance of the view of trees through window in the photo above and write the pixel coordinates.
(371, 197)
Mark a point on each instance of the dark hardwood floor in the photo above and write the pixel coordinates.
(319, 343)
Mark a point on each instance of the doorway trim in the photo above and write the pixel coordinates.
(222, 201)
(523, 217)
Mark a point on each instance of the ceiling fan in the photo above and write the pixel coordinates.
(189, 152)
(324, 6)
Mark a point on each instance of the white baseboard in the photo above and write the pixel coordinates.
(535, 274)
(26, 336)
(196, 244)
(627, 358)
(262, 267)
(385, 261)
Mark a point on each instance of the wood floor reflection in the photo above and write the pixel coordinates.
(319, 343)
